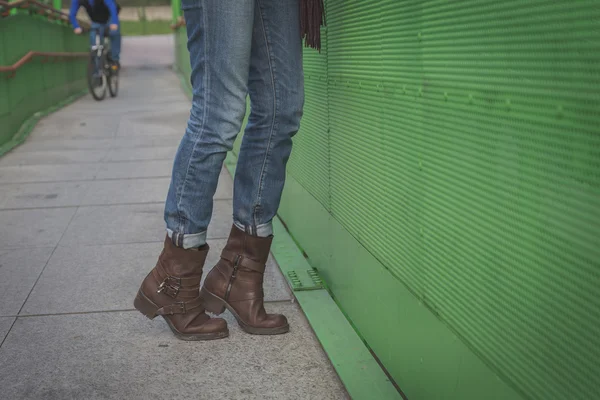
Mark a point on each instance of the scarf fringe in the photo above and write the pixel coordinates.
(312, 17)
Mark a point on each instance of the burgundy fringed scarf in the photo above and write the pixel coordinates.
(312, 17)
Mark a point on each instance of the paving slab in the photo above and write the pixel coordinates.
(135, 169)
(138, 53)
(53, 157)
(33, 227)
(140, 190)
(142, 153)
(123, 355)
(106, 277)
(148, 123)
(224, 187)
(133, 223)
(38, 195)
(174, 117)
(141, 141)
(92, 278)
(140, 82)
(5, 325)
(19, 270)
(127, 191)
(54, 144)
(47, 173)
(73, 125)
(222, 219)
(128, 104)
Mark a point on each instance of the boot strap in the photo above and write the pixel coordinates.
(173, 285)
(243, 261)
(184, 282)
(180, 307)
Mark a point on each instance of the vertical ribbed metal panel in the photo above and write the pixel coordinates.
(356, 115)
(309, 163)
(465, 156)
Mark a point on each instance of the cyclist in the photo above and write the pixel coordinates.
(104, 14)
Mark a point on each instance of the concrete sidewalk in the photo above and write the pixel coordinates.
(81, 224)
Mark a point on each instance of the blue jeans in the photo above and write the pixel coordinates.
(237, 48)
(115, 38)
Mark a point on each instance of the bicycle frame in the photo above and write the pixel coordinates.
(102, 72)
(99, 48)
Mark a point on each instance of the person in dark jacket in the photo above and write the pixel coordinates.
(104, 15)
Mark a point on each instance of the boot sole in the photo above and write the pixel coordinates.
(144, 305)
(216, 305)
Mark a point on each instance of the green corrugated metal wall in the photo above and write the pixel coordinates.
(465, 156)
(458, 143)
(36, 85)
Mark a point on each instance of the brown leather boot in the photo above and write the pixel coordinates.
(236, 283)
(171, 290)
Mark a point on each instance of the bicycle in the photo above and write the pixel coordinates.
(101, 71)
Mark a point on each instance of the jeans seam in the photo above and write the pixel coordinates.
(273, 122)
(205, 108)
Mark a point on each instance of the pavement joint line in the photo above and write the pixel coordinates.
(59, 138)
(72, 313)
(91, 162)
(52, 164)
(107, 152)
(142, 159)
(292, 301)
(100, 244)
(101, 161)
(127, 243)
(79, 180)
(103, 244)
(116, 147)
(80, 205)
(168, 175)
(118, 127)
(141, 178)
(98, 205)
(39, 276)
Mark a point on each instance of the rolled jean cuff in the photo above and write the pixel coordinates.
(187, 240)
(264, 230)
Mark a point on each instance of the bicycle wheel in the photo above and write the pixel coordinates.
(113, 80)
(96, 79)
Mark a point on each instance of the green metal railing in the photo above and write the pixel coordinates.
(42, 64)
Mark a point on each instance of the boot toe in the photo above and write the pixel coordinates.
(275, 321)
(214, 325)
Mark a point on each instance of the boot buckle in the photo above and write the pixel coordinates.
(173, 308)
(170, 286)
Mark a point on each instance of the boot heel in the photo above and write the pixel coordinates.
(145, 306)
(212, 303)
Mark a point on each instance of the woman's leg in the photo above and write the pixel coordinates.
(219, 42)
(276, 95)
(276, 88)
